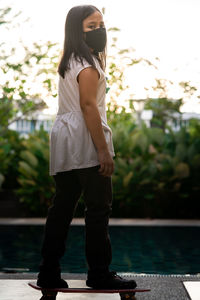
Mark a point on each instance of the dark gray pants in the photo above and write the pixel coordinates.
(97, 193)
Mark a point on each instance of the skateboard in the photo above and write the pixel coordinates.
(50, 294)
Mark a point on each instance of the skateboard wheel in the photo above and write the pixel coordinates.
(48, 298)
(48, 295)
(127, 296)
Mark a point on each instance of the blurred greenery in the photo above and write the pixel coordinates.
(10, 145)
(156, 168)
(164, 110)
(36, 186)
(18, 97)
(156, 174)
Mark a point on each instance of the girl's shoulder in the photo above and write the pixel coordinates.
(77, 61)
(77, 64)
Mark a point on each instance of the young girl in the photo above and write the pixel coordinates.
(81, 154)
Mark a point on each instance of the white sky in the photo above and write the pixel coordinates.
(168, 29)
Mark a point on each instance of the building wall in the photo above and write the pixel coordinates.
(27, 126)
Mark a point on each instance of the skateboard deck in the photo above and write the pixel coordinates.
(50, 294)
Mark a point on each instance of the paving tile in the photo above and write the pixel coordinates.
(19, 290)
(193, 289)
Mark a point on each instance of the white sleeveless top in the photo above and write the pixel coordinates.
(71, 145)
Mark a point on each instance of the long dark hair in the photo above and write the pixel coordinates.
(74, 39)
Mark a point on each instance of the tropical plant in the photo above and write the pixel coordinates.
(10, 145)
(36, 186)
(158, 177)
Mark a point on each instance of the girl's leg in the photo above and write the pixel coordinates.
(60, 214)
(98, 201)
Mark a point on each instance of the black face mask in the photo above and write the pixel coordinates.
(96, 39)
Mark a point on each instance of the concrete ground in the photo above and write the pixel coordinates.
(163, 287)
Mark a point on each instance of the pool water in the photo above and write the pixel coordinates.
(139, 249)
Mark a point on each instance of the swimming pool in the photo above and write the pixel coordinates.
(138, 249)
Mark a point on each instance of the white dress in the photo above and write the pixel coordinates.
(71, 145)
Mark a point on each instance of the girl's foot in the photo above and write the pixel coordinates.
(108, 280)
(51, 278)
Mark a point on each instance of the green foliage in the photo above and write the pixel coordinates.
(155, 172)
(17, 99)
(20, 98)
(164, 109)
(36, 186)
(10, 145)
(38, 65)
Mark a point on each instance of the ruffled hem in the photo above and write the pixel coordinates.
(71, 144)
(88, 165)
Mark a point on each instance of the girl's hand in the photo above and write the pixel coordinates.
(106, 163)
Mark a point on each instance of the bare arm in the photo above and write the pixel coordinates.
(88, 83)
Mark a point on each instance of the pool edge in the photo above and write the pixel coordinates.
(112, 222)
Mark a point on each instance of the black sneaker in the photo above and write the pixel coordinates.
(52, 283)
(108, 280)
(50, 278)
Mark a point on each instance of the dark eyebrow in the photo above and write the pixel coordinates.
(93, 22)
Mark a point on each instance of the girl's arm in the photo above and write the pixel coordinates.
(88, 83)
